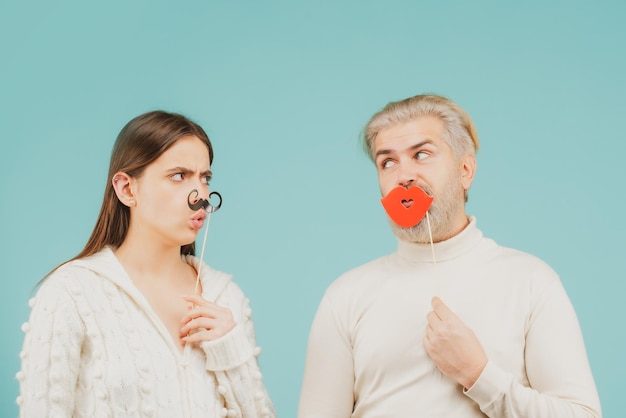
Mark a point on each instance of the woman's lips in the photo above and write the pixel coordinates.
(198, 221)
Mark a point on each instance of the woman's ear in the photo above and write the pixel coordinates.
(122, 184)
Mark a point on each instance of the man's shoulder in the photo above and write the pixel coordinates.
(363, 276)
(516, 259)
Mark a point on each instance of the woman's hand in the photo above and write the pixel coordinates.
(205, 321)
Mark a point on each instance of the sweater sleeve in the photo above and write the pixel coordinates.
(233, 360)
(328, 384)
(50, 354)
(559, 375)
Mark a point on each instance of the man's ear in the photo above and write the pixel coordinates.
(468, 170)
(122, 184)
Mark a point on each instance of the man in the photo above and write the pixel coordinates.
(451, 324)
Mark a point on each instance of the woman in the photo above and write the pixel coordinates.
(134, 325)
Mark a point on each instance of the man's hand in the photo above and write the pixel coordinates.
(453, 346)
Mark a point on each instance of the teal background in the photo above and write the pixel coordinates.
(284, 88)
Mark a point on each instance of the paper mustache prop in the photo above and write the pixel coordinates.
(203, 203)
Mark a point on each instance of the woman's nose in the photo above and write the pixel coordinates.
(203, 189)
(203, 192)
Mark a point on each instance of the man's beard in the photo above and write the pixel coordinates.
(440, 215)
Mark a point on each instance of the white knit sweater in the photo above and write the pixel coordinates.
(95, 348)
(366, 357)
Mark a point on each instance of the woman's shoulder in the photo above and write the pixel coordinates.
(72, 278)
(62, 286)
(63, 277)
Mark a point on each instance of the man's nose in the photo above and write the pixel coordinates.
(406, 175)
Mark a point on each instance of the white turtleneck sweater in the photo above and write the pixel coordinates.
(366, 357)
(94, 347)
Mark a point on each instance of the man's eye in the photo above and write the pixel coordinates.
(387, 163)
(206, 180)
(421, 155)
(177, 177)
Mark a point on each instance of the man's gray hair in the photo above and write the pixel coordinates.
(460, 132)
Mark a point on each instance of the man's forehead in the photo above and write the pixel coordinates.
(409, 134)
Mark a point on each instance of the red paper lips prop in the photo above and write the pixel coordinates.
(406, 207)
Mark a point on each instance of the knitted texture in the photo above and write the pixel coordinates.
(94, 347)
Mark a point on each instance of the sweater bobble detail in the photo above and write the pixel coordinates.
(145, 389)
(148, 411)
(74, 290)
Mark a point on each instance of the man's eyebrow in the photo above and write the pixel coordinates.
(420, 144)
(412, 147)
(382, 152)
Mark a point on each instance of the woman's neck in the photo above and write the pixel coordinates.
(150, 261)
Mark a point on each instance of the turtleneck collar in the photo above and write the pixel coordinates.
(444, 250)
